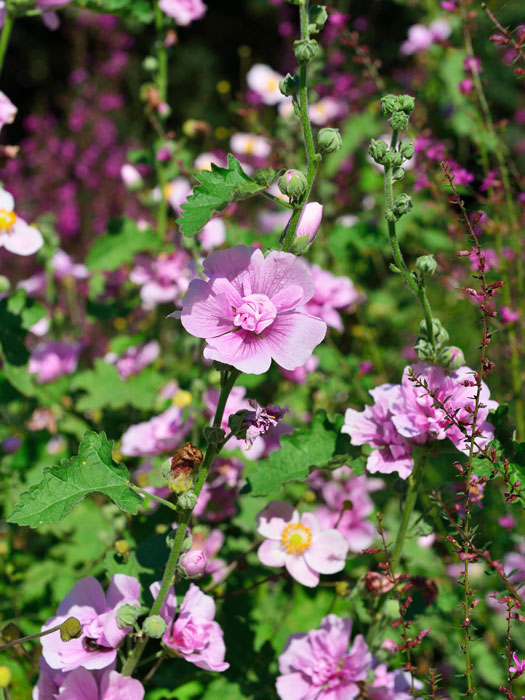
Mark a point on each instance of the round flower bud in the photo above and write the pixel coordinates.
(150, 63)
(122, 547)
(317, 16)
(289, 85)
(5, 676)
(377, 150)
(452, 357)
(402, 205)
(193, 563)
(187, 500)
(399, 121)
(388, 104)
(329, 140)
(392, 159)
(305, 50)
(293, 183)
(424, 350)
(154, 626)
(440, 334)
(406, 149)
(127, 615)
(70, 629)
(405, 103)
(426, 264)
(397, 174)
(10, 632)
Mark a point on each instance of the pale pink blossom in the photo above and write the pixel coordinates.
(16, 235)
(7, 110)
(248, 310)
(265, 82)
(299, 543)
(64, 267)
(177, 192)
(130, 176)
(324, 111)
(299, 374)
(97, 613)
(80, 684)
(163, 279)
(184, 12)
(52, 360)
(250, 145)
(193, 563)
(213, 235)
(310, 221)
(134, 359)
(331, 295)
(219, 495)
(162, 433)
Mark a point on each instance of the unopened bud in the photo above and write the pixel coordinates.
(342, 588)
(180, 480)
(388, 104)
(317, 16)
(402, 205)
(377, 150)
(289, 85)
(193, 563)
(150, 64)
(11, 632)
(424, 350)
(329, 140)
(406, 149)
(122, 547)
(310, 221)
(182, 398)
(293, 183)
(399, 121)
(309, 496)
(426, 264)
(70, 629)
(127, 615)
(397, 174)
(452, 357)
(187, 500)
(154, 626)
(305, 50)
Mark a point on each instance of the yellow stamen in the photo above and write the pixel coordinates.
(296, 538)
(7, 220)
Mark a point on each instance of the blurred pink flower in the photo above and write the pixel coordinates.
(265, 82)
(163, 279)
(7, 110)
(162, 433)
(331, 294)
(16, 235)
(250, 145)
(183, 11)
(134, 359)
(52, 360)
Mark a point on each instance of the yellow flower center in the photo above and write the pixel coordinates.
(7, 220)
(272, 84)
(296, 538)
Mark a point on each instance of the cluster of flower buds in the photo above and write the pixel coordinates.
(399, 108)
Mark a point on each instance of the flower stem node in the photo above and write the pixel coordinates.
(426, 264)
(154, 626)
(305, 50)
(70, 629)
(187, 500)
(293, 183)
(127, 615)
(317, 16)
(214, 436)
(329, 140)
(289, 85)
(451, 357)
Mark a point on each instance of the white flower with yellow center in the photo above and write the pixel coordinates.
(298, 543)
(265, 82)
(16, 235)
(250, 145)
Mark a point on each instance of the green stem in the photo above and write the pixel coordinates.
(5, 36)
(275, 199)
(154, 497)
(29, 637)
(414, 481)
(162, 84)
(229, 377)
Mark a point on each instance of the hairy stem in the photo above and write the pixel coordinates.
(29, 637)
(143, 492)
(5, 35)
(162, 84)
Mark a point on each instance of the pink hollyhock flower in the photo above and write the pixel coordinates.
(419, 39)
(164, 279)
(184, 12)
(213, 235)
(250, 145)
(264, 81)
(508, 316)
(193, 634)
(391, 685)
(319, 666)
(247, 310)
(351, 523)
(16, 235)
(83, 685)
(310, 221)
(417, 418)
(324, 111)
(64, 267)
(134, 359)
(97, 613)
(162, 433)
(50, 361)
(374, 426)
(331, 293)
(194, 563)
(7, 110)
(299, 543)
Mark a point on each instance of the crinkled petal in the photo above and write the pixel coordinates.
(288, 298)
(292, 338)
(198, 604)
(281, 270)
(293, 686)
(243, 350)
(204, 314)
(88, 592)
(232, 262)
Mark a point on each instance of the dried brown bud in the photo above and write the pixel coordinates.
(11, 632)
(186, 457)
(377, 583)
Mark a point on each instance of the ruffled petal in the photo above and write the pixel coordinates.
(292, 338)
(243, 350)
(281, 270)
(204, 314)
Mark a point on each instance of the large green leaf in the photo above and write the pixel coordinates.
(120, 245)
(217, 189)
(319, 446)
(65, 485)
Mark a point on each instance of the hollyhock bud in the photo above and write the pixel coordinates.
(193, 563)
(70, 629)
(399, 121)
(180, 480)
(289, 85)
(406, 149)
(293, 184)
(127, 615)
(378, 583)
(402, 205)
(187, 500)
(305, 50)
(329, 140)
(154, 626)
(377, 151)
(310, 221)
(397, 174)
(440, 334)
(317, 16)
(426, 264)
(452, 357)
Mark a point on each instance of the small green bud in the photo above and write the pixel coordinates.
(305, 50)
(397, 174)
(264, 177)
(439, 332)
(329, 140)
(154, 626)
(150, 64)
(426, 264)
(402, 205)
(392, 159)
(424, 350)
(70, 629)
(405, 103)
(293, 183)
(399, 121)
(388, 104)
(451, 357)
(122, 547)
(187, 500)
(127, 615)
(165, 469)
(377, 150)
(406, 149)
(317, 17)
(214, 436)
(10, 632)
(289, 85)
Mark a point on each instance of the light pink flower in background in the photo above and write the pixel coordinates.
(508, 316)
(177, 192)
(299, 374)
(51, 4)
(299, 543)
(250, 145)
(130, 176)
(204, 161)
(324, 111)
(268, 221)
(310, 221)
(97, 613)
(16, 235)
(352, 523)
(163, 279)
(218, 498)
(247, 310)
(193, 634)
(331, 294)
(265, 82)
(213, 235)
(63, 267)
(162, 433)
(374, 427)
(52, 360)
(7, 110)
(320, 666)
(421, 37)
(134, 359)
(184, 12)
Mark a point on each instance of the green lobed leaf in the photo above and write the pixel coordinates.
(120, 245)
(65, 485)
(217, 189)
(319, 446)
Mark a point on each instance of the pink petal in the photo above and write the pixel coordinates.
(300, 571)
(226, 288)
(327, 553)
(232, 262)
(310, 521)
(114, 686)
(121, 588)
(288, 298)
(88, 592)
(24, 239)
(293, 686)
(281, 270)
(79, 685)
(243, 350)
(198, 604)
(292, 338)
(271, 553)
(205, 315)
(169, 607)
(272, 520)
(7, 201)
